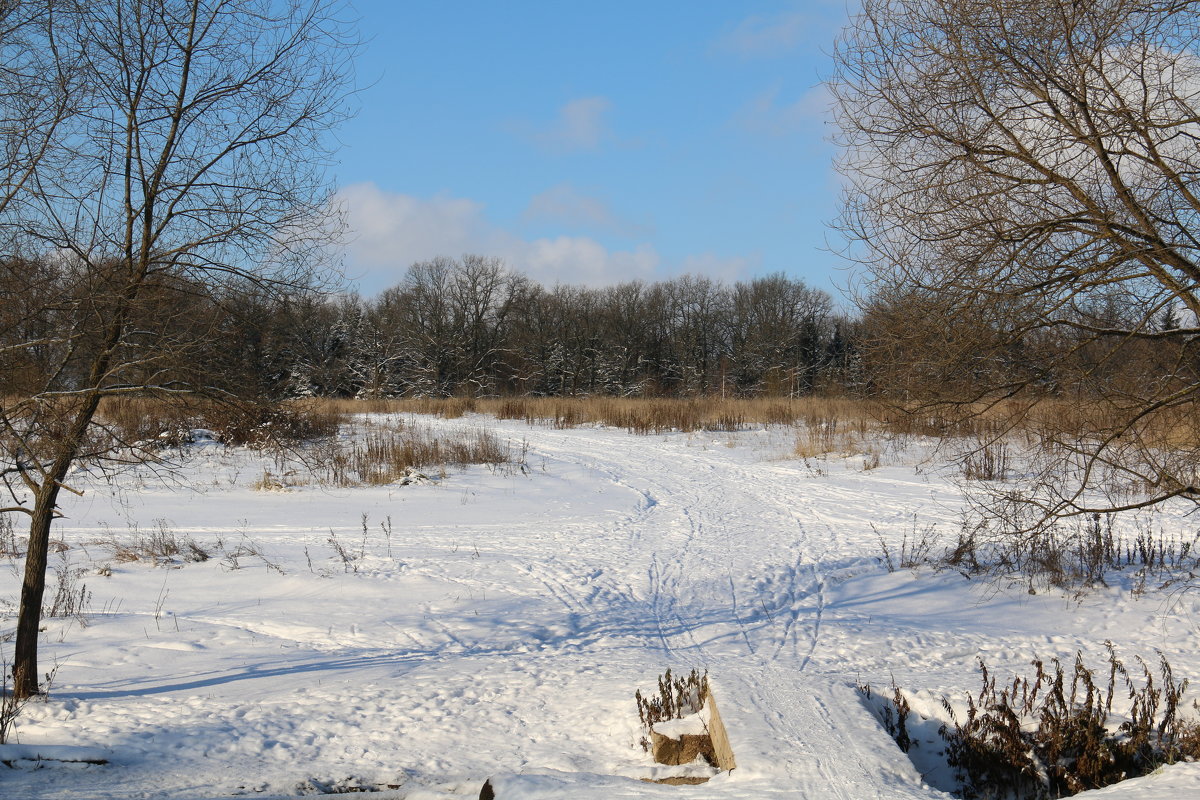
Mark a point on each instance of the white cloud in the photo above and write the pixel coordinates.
(581, 125)
(766, 36)
(391, 231)
(768, 114)
(565, 205)
(577, 259)
(386, 226)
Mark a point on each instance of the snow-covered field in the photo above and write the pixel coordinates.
(503, 625)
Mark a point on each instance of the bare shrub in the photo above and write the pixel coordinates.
(1073, 554)
(160, 545)
(10, 547)
(71, 596)
(1057, 734)
(916, 548)
(270, 423)
(989, 461)
(11, 706)
(677, 698)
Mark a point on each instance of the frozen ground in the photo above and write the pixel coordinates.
(502, 628)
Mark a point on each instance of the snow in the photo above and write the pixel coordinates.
(63, 753)
(502, 627)
(689, 725)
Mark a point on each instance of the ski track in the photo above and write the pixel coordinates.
(699, 507)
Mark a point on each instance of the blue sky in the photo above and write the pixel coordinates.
(593, 142)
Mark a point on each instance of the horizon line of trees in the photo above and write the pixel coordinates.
(473, 326)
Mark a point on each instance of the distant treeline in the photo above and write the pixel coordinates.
(474, 327)
(469, 327)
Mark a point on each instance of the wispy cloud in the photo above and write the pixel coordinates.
(760, 35)
(391, 231)
(580, 125)
(567, 206)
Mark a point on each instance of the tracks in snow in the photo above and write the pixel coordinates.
(722, 565)
(691, 555)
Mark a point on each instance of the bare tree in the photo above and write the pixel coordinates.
(39, 82)
(629, 313)
(1023, 191)
(482, 295)
(779, 330)
(697, 308)
(191, 163)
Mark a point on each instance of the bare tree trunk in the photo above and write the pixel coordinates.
(29, 619)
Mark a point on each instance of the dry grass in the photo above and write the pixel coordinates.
(1032, 445)
(314, 440)
(377, 454)
(1071, 555)
(825, 425)
(161, 545)
(827, 417)
(1056, 734)
(71, 596)
(637, 415)
(156, 422)
(1041, 422)
(829, 433)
